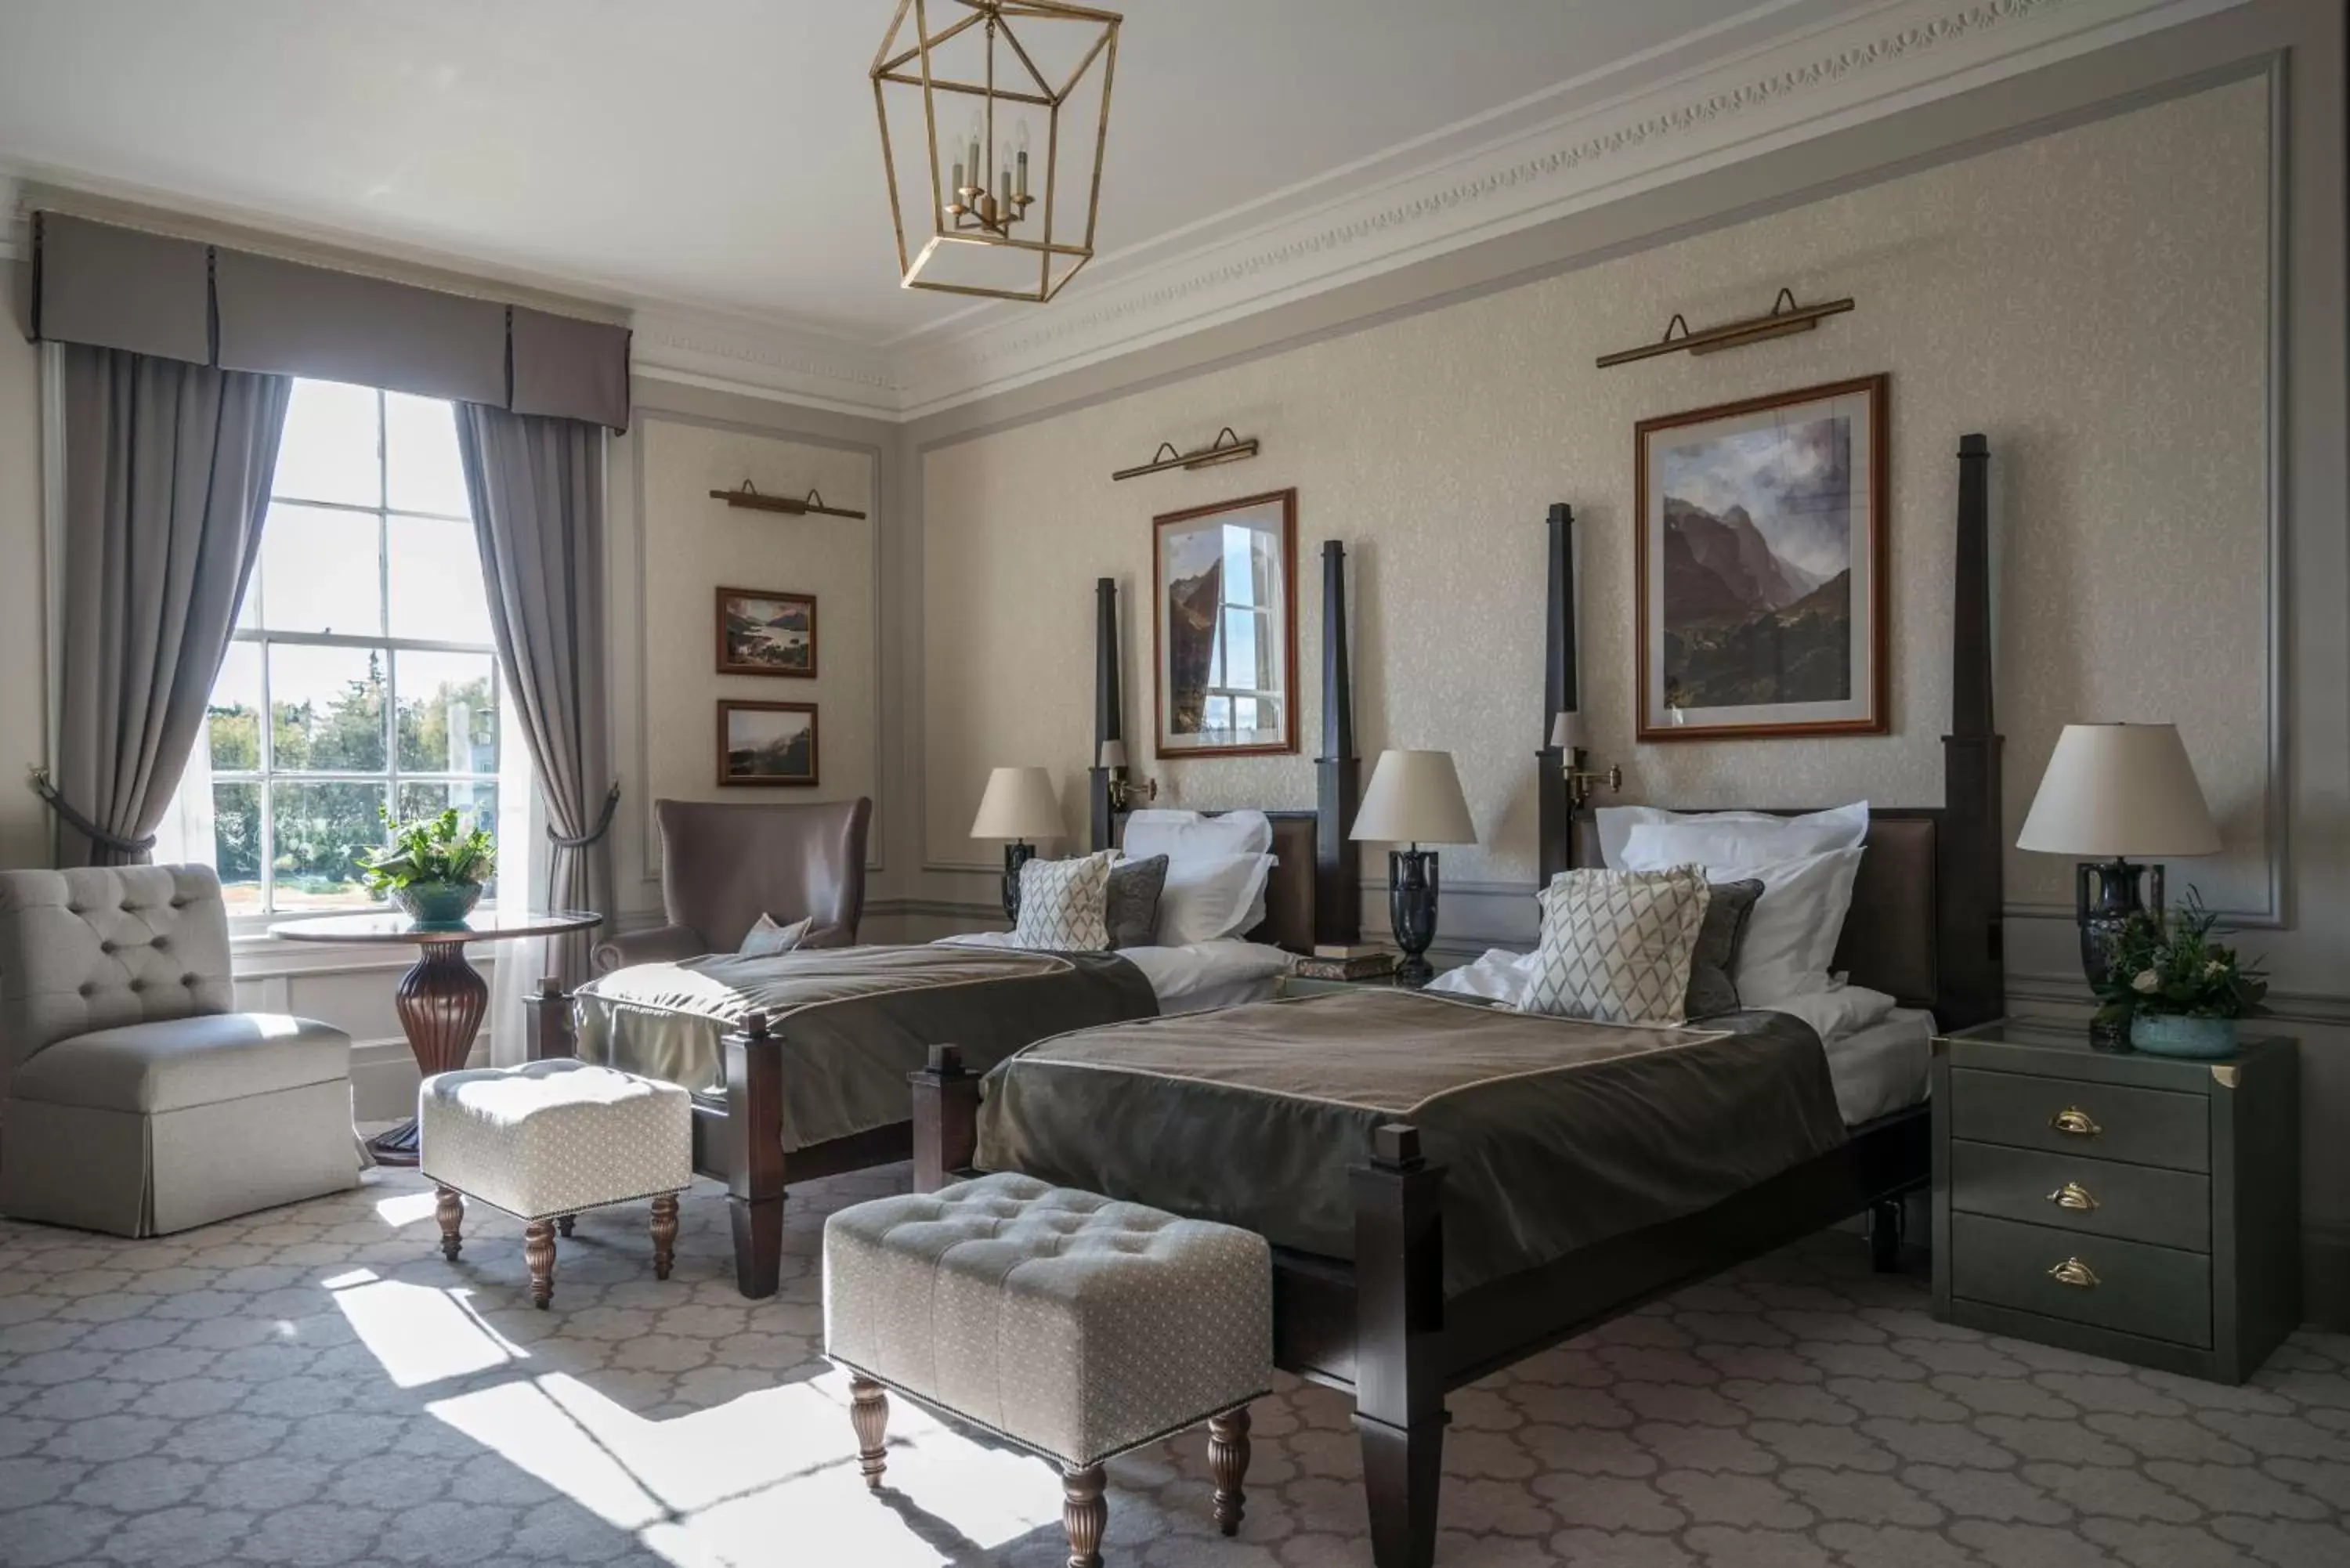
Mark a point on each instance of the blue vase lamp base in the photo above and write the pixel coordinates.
(2167, 1034)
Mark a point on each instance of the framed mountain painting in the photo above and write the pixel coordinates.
(1763, 566)
(1224, 626)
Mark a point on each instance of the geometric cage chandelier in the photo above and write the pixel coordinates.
(1001, 76)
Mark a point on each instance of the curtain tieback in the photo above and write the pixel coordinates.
(603, 823)
(100, 837)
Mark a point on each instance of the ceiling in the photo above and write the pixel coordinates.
(723, 153)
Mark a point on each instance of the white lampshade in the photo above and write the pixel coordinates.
(1020, 803)
(2114, 791)
(1414, 798)
(1113, 754)
(1566, 730)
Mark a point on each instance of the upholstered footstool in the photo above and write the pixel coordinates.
(1069, 1325)
(546, 1140)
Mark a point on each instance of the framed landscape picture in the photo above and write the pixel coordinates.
(766, 742)
(1224, 626)
(762, 633)
(1763, 566)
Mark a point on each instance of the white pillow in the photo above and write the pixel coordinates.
(1791, 936)
(1191, 836)
(768, 939)
(1063, 905)
(1768, 838)
(1836, 1013)
(1208, 897)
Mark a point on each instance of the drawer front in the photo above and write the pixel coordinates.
(2093, 1197)
(2103, 1121)
(2159, 1293)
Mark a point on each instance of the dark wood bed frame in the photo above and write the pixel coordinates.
(1380, 1326)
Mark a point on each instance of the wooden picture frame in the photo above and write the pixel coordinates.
(754, 634)
(743, 739)
(1189, 556)
(1764, 588)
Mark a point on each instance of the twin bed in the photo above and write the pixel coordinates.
(1449, 1186)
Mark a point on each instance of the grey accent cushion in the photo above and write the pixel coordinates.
(1075, 1327)
(178, 1063)
(1711, 986)
(102, 947)
(768, 938)
(1132, 912)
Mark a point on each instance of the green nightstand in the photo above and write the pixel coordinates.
(2138, 1207)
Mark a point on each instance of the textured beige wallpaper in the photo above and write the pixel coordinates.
(693, 544)
(2095, 301)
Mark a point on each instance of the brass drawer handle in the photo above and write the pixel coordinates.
(2075, 1273)
(2072, 1196)
(2077, 1121)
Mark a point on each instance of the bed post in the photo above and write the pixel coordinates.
(1108, 723)
(1554, 808)
(1400, 1343)
(1973, 845)
(752, 1155)
(1337, 890)
(946, 1118)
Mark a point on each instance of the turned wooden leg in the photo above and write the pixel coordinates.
(664, 1233)
(563, 1225)
(449, 1208)
(1228, 1460)
(1084, 1514)
(538, 1251)
(868, 1411)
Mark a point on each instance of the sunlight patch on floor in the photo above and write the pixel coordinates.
(404, 1209)
(417, 1333)
(727, 1484)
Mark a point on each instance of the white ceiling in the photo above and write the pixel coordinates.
(723, 153)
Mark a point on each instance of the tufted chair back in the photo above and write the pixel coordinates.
(102, 947)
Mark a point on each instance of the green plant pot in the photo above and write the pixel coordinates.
(2169, 1034)
(438, 905)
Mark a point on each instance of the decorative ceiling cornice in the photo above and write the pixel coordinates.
(1829, 77)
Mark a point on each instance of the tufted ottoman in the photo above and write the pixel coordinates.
(1072, 1325)
(546, 1140)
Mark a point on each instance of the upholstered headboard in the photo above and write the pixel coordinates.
(1289, 892)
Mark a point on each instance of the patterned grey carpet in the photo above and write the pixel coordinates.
(315, 1386)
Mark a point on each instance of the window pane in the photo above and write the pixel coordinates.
(233, 717)
(319, 572)
(328, 449)
(326, 710)
(320, 830)
(448, 712)
(236, 845)
(1240, 648)
(476, 804)
(436, 582)
(419, 456)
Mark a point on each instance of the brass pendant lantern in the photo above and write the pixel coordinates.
(1024, 70)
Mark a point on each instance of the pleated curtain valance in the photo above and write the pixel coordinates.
(115, 287)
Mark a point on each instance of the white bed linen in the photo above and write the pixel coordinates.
(1192, 977)
(1877, 1052)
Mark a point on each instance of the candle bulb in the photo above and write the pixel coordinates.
(1020, 142)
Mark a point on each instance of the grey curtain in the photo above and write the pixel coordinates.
(167, 480)
(537, 487)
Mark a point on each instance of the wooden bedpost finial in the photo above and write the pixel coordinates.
(946, 1062)
(755, 1024)
(1395, 1146)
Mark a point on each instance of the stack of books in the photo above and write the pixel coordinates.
(1341, 962)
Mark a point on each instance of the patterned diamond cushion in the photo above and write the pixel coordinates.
(554, 1137)
(1064, 905)
(1075, 1327)
(1617, 945)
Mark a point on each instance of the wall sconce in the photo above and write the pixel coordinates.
(1566, 735)
(1123, 791)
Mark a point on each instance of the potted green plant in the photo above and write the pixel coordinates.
(2179, 992)
(432, 869)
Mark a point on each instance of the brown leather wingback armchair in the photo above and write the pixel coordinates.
(722, 866)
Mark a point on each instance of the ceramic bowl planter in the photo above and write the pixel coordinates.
(437, 904)
(2173, 1034)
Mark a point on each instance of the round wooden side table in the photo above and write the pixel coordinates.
(442, 998)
